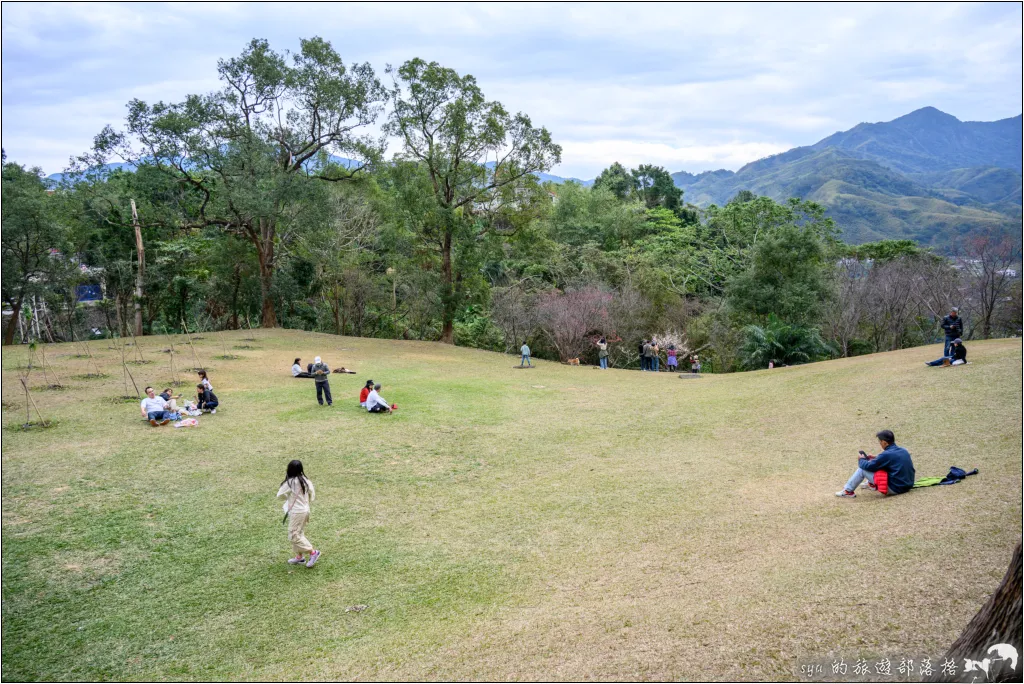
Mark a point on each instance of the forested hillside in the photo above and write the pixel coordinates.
(217, 213)
(926, 177)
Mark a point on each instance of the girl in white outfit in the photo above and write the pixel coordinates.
(300, 493)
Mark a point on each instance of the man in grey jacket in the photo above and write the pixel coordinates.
(321, 377)
(953, 326)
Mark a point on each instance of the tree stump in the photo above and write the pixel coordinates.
(998, 622)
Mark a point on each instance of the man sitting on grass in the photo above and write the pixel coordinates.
(890, 472)
(376, 403)
(956, 357)
(155, 409)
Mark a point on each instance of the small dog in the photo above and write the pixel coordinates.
(574, 362)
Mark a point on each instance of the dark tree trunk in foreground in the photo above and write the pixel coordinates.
(448, 291)
(998, 622)
(12, 325)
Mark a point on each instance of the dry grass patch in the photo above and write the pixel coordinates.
(503, 525)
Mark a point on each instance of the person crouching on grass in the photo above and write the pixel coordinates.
(890, 472)
(206, 400)
(300, 494)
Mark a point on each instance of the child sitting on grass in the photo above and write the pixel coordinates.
(300, 493)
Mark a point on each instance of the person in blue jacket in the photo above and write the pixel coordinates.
(890, 472)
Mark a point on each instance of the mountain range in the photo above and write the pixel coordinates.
(926, 176)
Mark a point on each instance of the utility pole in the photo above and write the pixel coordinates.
(140, 273)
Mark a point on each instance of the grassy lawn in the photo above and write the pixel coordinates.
(559, 522)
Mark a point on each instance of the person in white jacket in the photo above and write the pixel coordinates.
(300, 494)
(376, 403)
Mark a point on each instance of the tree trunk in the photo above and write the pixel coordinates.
(234, 298)
(139, 273)
(998, 622)
(265, 250)
(448, 290)
(16, 312)
(336, 310)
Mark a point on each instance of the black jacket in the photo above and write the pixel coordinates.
(958, 352)
(954, 327)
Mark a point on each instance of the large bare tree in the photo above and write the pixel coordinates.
(986, 262)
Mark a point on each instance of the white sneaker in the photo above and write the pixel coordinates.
(313, 558)
(213, 410)
(846, 495)
(296, 561)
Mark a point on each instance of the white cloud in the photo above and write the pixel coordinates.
(597, 154)
(691, 86)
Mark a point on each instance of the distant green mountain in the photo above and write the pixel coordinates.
(925, 176)
(984, 184)
(927, 140)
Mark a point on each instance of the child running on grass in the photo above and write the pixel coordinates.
(300, 493)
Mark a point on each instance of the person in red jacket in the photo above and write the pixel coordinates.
(365, 392)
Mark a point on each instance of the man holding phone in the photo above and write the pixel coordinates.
(890, 472)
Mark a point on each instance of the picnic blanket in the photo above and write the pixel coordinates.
(187, 422)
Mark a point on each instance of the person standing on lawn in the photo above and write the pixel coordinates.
(671, 359)
(203, 378)
(890, 472)
(602, 353)
(300, 494)
(655, 356)
(953, 326)
(321, 378)
(525, 351)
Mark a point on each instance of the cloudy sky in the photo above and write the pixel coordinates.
(689, 87)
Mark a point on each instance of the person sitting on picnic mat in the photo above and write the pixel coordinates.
(154, 408)
(171, 399)
(957, 355)
(297, 371)
(376, 403)
(890, 472)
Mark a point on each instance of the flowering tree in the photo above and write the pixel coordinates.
(569, 318)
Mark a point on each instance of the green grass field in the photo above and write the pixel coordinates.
(554, 523)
